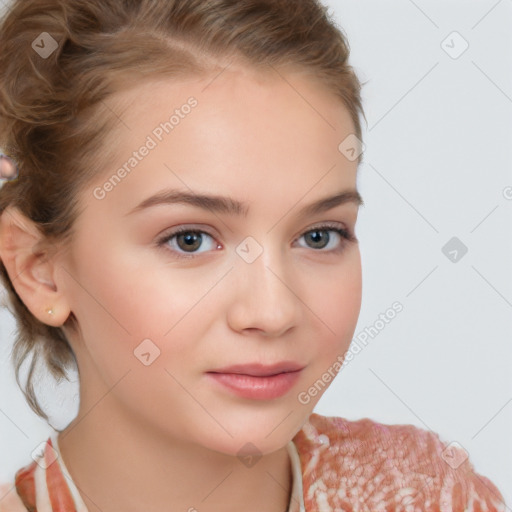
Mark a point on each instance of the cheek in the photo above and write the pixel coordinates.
(338, 305)
(121, 300)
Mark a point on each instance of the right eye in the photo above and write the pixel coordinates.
(187, 240)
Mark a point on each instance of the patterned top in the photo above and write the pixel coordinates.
(338, 465)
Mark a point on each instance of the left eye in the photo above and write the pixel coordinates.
(189, 240)
(320, 237)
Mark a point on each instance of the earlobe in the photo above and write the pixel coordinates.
(29, 267)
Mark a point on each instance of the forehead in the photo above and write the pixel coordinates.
(236, 131)
(237, 100)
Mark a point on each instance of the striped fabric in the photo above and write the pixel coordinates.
(45, 485)
(338, 466)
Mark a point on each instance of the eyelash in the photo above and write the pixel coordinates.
(346, 236)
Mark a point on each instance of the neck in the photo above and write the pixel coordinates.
(118, 464)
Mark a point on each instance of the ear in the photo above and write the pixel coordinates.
(30, 267)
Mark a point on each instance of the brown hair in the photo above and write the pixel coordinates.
(53, 116)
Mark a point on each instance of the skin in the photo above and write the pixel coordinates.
(163, 436)
(7, 169)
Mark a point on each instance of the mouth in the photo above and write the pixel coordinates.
(256, 381)
(260, 370)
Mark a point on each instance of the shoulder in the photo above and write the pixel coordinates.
(9, 499)
(345, 462)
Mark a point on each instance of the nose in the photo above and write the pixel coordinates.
(263, 298)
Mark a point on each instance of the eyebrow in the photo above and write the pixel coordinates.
(229, 206)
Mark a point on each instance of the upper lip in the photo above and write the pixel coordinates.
(260, 370)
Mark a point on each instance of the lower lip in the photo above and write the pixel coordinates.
(257, 388)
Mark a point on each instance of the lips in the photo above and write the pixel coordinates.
(257, 381)
(260, 370)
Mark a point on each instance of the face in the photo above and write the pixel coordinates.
(272, 282)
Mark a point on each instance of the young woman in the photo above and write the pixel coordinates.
(182, 228)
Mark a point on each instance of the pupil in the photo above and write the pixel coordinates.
(317, 236)
(190, 239)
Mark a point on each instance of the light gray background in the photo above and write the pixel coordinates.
(437, 165)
